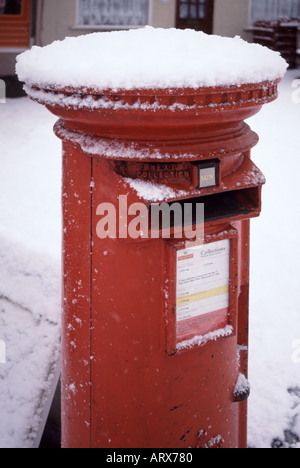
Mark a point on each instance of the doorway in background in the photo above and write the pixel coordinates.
(15, 24)
(195, 14)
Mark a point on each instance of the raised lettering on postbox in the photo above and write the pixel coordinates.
(176, 173)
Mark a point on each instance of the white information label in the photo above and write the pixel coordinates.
(202, 295)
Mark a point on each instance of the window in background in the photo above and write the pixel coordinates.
(10, 7)
(273, 9)
(195, 14)
(128, 13)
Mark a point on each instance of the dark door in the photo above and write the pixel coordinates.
(195, 14)
(15, 23)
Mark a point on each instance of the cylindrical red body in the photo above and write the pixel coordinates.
(137, 372)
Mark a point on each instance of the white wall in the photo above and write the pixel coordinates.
(231, 18)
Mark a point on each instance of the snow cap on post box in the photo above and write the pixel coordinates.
(148, 58)
(150, 82)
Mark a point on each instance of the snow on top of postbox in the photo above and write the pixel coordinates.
(149, 58)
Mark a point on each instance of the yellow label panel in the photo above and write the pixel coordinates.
(202, 295)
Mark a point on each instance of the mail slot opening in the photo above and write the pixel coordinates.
(230, 204)
(217, 206)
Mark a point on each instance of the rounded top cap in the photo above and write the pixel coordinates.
(148, 58)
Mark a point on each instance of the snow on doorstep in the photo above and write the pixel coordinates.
(149, 58)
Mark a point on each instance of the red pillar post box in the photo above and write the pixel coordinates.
(155, 326)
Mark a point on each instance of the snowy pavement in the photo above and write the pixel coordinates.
(274, 405)
(30, 271)
(30, 249)
(30, 327)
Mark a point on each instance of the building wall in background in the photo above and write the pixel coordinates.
(57, 19)
(231, 18)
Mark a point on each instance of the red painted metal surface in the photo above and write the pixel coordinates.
(129, 379)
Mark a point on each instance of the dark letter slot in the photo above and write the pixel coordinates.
(223, 205)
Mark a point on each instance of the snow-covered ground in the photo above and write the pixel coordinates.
(30, 272)
(275, 275)
(30, 249)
